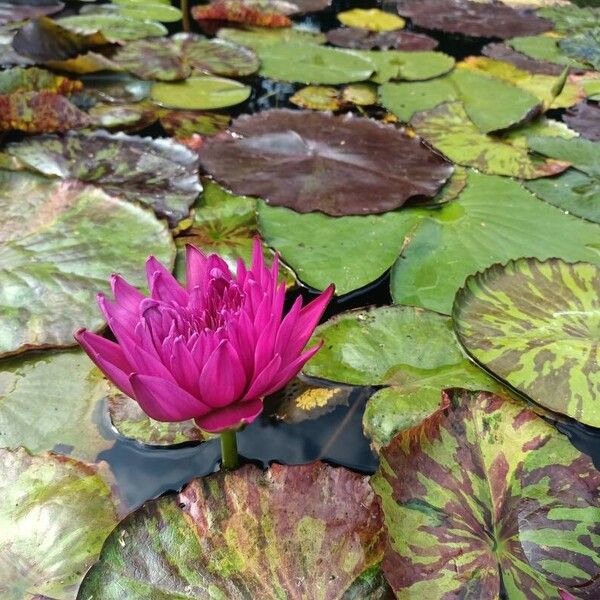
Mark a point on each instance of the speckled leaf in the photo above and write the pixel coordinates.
(584, 47)
(160, 173)
(361, 94)
(534, 324)
(485, 496)
(115, 28)
(33, 79)
(239, 11)
(541, 47)
(53, 401)
(310, 63)
(363, 39)
(54, 516)
(409, 349)
(472, 18)
(260, 37)
(288, 533)
(449, 129)
(491, 221)
(585, 119)
(125, 117)
(319, 162)
(17, 11)
(372, 19)
(53, 262)
(185, 123)
(571, 18)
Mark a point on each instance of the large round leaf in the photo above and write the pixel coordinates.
(55, 514)
(486, 500)
(309, 63)
(493, 220)
(260, 37)
(53, 401)
(572, 18)
(115, 28)
(319, 162)
(535, 325)
(160, 173)
(543, 47)
(291, 532)
(59, 242)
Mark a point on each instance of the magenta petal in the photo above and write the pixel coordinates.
(289, 372)
(183, 367)
(264, 380)
(163, 286)
(126, 296)
(195, 267)
(165, 401)
(287, 327)
(112, 310)
(230, 417)
(108, 357)
(222, 380)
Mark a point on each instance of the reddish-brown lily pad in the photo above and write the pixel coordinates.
(473, 18)
(363, 39)
(302, 532)
(585, 118)
(339, 165)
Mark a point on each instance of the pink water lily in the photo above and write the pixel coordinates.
(209, 351)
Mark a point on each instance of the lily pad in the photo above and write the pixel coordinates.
(33, 79)
(490, 222)
(472, 18)
(157, 172)
(185, 123)
(13, 11)
(548, 349)
(486, 496)
(318, 162)
(584, 47)
(372, 19)
(165, 13)
(571, 18)
(54, 517)
(48, 284)
(127, 117)
(363, 39)
(115, 28)
(318, 97)
(53, 401)
(505, 53)
(262, 14)
(411, 350)
(585, 119)
(306, 531)
(260, 37)
(310, 63)
(200, 93)
(542, 47)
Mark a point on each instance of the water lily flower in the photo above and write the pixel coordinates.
(209, 351)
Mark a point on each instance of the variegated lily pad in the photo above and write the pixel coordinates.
(310, 531)
(535, 324)
(486, 500)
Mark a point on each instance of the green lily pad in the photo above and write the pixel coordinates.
(53, 401)
(449, 129)
(571, 18)
(584, 47)
(411, 350)
(165, 13)
(307, 531)
(53, 262)
(200, 93)
(486, 496)
(542, 47)
(578, 189)
(116, 28)
(127, 117)
(261, 37)
(310, 63)
(491, 221)
(535, 325)
(54, 517)
(160, 173)
(318, 97)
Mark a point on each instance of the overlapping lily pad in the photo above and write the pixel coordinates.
(115, 28)
(583, 46)
(491, 221)
(542, 47)
(260, 37)
(585, 119)
(53, 262)
(262, 14)
(534, 324)
(310, 531)
(411, 351)
(364, 39)
(54, 517)
(486, 496)
(185, 123)
(125, 117)
(505, 53)
(318, 162)
(157, 172)
(373, 19)
(571, 18)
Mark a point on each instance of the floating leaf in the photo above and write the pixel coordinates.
(36, 80)
(119, 88)
(409, 349)
(449, 129)
(337, 165)
(115, 28)
(306, 531)
(257, 37)
(584, 47)
(585, 119)
(364, 39)
(505, 53)
(185, 123)
(54, 517)
(165, 13)
(157, 172)
(310, 63)
(239, 11)
(53, 401)
(472, 18)
(372, 19)
(129, 117)
(542, 47)
(318, 97)
(486, 496)
(53, 262)
(200, 93)
(532, 324)
(571, 18)
(361, 94)
(490, 222)
(17, 11)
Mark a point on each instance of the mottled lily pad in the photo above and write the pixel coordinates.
(54, 517)
(306, 531)
(490, 222)
(585, 119)
(125, 117)
(318, 162)
(260, 37)
(182, 124)
(115, 28)
(411, 351)
(53, 263)
(33, 79)
(583, 46)
(486, 496)
(248, 12)
(160, 173)
(571, 18)
(372, 19)
(53, 401)
(363, 39)
(534, 324)
(472, 18)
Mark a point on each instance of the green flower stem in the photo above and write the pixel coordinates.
(229, 453)
(185, 11)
